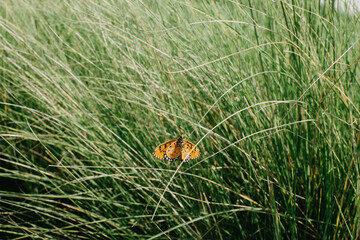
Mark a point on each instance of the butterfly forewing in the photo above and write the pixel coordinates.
(195, 152)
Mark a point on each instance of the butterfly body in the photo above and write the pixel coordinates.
(175, 149)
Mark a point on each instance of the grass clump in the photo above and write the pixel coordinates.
(268, 91)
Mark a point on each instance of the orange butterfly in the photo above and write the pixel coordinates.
(177, 148)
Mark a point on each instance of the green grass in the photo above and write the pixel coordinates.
(268, 90)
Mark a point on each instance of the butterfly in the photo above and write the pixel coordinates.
(177, 148)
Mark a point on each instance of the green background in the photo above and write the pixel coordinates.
(268, 90)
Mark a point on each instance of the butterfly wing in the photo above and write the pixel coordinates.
(187, 149)
(173, 151)
(160, 150)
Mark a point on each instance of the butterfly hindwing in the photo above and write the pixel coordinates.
(189, 148)
(172, 152)
(160, 150)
